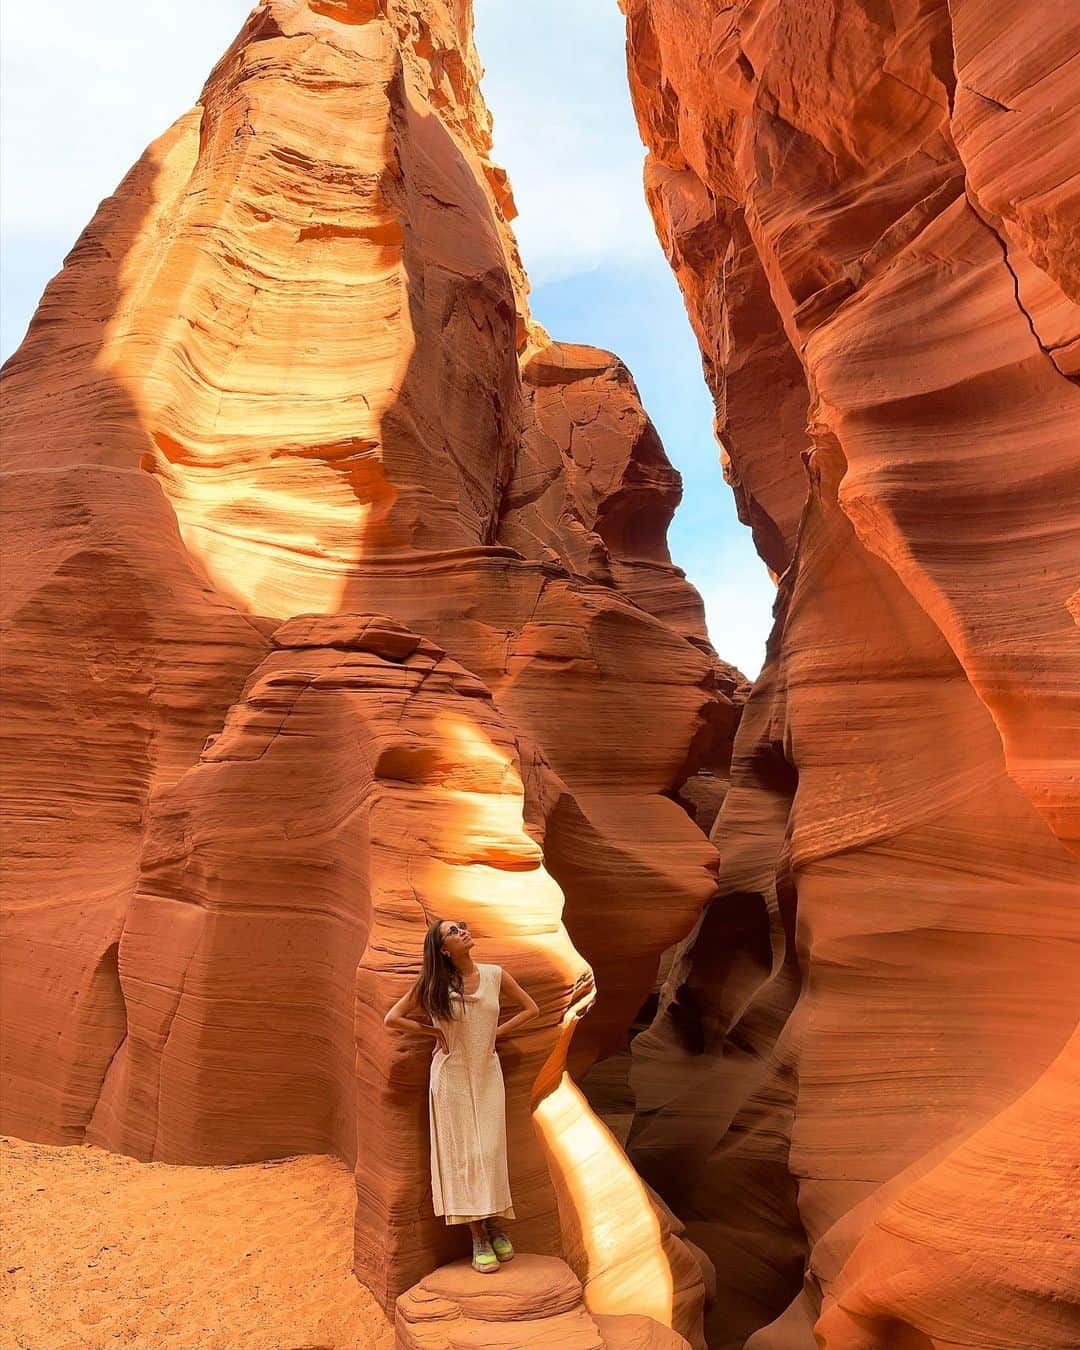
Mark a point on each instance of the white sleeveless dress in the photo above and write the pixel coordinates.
(467, 1110)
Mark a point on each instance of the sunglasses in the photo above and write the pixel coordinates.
(456, 928)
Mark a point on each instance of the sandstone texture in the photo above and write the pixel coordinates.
(531, 1301)
(859, 1091)
(337, 598)
(99, 1250)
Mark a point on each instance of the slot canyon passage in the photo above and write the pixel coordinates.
(337, 595)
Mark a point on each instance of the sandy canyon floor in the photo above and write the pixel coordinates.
(100, 1250)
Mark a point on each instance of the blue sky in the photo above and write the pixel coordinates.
(83, 89)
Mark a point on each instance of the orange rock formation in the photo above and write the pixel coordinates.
(856, 1092)
(337, 597)
(456, 1305)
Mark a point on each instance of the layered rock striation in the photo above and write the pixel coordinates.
(536, 1301)
(338, 598)
(857, 1089)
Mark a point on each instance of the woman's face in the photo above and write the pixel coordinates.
(456, 938)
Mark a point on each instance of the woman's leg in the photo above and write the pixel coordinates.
(484, 1258)
(500, 1243)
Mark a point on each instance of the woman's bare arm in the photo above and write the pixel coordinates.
(399, 1019)
(513, 991)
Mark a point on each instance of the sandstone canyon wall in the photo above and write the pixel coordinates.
(337, 597)
(858, 1089)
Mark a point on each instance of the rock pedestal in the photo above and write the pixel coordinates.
(531, 1301)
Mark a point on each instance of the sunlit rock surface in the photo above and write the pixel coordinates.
(337, 597)
(858, 1064)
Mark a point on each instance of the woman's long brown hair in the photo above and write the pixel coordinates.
(438, 977)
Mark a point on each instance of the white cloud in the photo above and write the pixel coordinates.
(738, 609)
(83, 91)
(555, 81)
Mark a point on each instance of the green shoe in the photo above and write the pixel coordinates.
(483, 1258)
(500, 1244)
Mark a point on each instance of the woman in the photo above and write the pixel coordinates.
(466, 1097)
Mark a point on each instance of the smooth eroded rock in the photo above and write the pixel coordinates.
(336, 597)
(530, 1301)
(868, 211)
